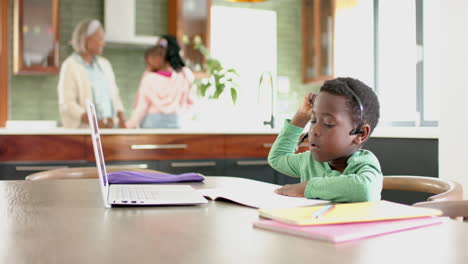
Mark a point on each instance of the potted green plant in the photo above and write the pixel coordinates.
(219, 79)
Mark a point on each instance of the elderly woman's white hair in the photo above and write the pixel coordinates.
(83, 30)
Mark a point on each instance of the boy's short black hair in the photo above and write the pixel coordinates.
(370, 102)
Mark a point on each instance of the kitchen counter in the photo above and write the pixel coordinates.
(117, 131)
(380, 132)
(217, 150)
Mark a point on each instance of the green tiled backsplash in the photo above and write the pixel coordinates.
(152, 17)
(35, 97)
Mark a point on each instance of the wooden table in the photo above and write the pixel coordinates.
(63, 221)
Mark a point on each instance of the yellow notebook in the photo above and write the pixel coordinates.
(347, 213)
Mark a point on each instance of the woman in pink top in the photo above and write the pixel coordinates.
(165, 88)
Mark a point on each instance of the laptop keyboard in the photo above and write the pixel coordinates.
(133, 193)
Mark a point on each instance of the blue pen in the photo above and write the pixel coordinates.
(322, 211)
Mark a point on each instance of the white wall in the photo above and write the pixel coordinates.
(453, 141)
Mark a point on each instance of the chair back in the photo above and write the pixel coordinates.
(77, 173)
(443, 190)
(453, 209)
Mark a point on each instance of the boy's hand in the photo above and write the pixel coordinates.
(304, 112)
(296, 190)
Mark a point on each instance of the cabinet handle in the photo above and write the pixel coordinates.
(193, 164)
(161, 146)
(251, 162)
(268, 145)
(38, 168)
(128, 166)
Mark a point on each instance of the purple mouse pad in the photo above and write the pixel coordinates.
(129, 177)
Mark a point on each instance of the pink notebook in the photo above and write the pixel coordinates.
(337, 233)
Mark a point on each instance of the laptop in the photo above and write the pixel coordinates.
(136, 194)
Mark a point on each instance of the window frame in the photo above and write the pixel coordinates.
(419, 104)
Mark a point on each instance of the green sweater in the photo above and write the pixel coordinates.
(360, 181)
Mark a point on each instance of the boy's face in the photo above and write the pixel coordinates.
(329, 138)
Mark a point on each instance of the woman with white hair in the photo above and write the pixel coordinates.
(85, 75)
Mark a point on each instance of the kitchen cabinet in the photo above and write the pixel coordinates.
(238, 155)
(282, 179)
(317, 39)
(254, 169)
(36, 37)
(21, 155)
(252, 145)
(187, 19)
(134, 164)
(209, 154)
(248, 146)
(241, 155)
(158, 147)
(43, 148)
(247, 157)
(207, 167)
(19, 170)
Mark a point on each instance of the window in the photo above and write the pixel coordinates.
(232, 43)
(406, 61)
(397, 54)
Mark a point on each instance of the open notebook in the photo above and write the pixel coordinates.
(262, 197)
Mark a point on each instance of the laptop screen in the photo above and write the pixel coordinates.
(96, 139)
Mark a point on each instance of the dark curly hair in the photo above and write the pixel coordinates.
(173, 53)
(370, 102)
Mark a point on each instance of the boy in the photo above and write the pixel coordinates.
(342, 116)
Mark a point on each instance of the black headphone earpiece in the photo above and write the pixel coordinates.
(355, 132)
